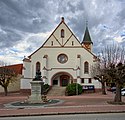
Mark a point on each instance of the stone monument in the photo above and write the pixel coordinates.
(36, 89)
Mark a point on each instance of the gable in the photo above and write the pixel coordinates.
(56, 40)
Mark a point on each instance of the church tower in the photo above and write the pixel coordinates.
(87, 42)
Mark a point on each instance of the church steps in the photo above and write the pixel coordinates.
(57, 91)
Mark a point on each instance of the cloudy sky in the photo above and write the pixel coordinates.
(26, 24)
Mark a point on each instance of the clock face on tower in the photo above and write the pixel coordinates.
(62, 58)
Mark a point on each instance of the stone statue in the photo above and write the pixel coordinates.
(38, 76)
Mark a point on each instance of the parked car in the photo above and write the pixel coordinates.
(112, 89)
(109, 88)
(123, 91)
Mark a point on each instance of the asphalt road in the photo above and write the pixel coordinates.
(109, 116)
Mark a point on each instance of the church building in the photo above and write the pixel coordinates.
(62, 60)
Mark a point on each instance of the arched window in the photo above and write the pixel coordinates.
(86, 67)
(37, 66)
(62, 33)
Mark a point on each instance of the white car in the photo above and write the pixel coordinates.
(123, 91)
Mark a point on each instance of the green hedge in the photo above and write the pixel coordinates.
(71, 89)
(46, 88)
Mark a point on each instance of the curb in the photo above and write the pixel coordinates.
(61, 113)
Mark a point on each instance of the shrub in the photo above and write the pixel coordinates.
(71, 89)
(46, 88)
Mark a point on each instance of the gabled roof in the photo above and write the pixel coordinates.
(87, 38)
(62, 21)
(17, 68)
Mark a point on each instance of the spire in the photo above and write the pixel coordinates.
(87, 38)
(86, 23)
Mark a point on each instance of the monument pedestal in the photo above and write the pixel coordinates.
(35, 92)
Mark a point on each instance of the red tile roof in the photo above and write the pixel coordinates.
(17, 68)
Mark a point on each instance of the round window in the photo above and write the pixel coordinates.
(62, 58)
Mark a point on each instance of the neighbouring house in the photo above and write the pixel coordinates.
(62, 59)
(15, 86)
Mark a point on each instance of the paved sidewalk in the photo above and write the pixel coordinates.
(86, 103)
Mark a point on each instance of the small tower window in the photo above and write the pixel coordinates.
(62, 33)
(72, 43)
(86, 67)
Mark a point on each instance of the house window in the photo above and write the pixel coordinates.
(86, 67)
(37, 66)
(82, 80)
(62, 33)
(89, 80)
(72, 43)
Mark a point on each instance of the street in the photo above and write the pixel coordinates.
(108, 116)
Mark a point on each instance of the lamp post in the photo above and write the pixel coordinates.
(77, 89)
(77, 77)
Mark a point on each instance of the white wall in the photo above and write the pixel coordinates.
(68, 66)
(25, 83)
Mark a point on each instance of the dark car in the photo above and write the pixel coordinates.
(112, 89)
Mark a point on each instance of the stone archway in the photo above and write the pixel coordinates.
(61, 79)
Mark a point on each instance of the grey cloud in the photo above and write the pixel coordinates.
(25, 16)
(20, 17)
(9, 38)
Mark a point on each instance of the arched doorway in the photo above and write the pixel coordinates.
(61, 79)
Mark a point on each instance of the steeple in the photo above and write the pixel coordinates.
(87, 42)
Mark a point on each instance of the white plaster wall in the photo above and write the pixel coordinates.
(27, 73)
(69, 65)
(67, 34)
(25, 83)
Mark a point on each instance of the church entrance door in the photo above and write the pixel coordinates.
(64, 80)
(61, 79)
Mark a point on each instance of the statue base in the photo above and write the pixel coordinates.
(35, 92)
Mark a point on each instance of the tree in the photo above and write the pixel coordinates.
(113, 58)
(116, 72)
(7, 76)
(98, 73)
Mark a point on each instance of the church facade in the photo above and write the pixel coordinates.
(62, 59)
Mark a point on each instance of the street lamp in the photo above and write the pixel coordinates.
(77, 89)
